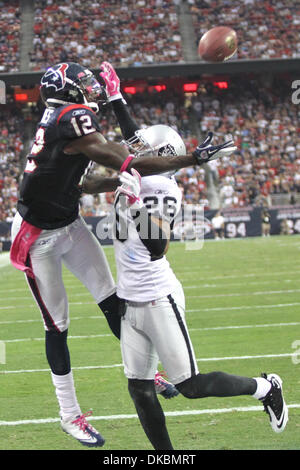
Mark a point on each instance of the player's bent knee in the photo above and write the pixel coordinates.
(141, 390)
(185, 388)
(194, 387)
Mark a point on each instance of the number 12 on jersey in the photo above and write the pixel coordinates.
(82, 125)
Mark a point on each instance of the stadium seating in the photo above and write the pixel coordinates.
(126, 33)
(259, 115)
(11, 146)
(263, 125)
(10, 25)
(134, 33)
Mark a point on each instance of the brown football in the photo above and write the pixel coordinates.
(218, 44)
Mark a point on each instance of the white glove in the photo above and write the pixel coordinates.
(131, 188)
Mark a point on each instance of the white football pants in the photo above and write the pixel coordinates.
(157, 330)
(77, 248)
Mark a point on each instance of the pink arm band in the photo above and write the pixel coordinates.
(126, 163)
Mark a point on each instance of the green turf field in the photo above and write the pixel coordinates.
(243, 302)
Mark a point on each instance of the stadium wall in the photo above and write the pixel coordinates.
(188, 69)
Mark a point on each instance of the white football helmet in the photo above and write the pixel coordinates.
(157, 140)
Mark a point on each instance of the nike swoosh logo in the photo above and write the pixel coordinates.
(210, 152)
(88, 440)
(279, 425)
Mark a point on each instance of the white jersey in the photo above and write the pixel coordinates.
(139, 279)
(217, 221)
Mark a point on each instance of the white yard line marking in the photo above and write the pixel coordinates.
(198, 310)
(209, 296)
(235, 276)
(207, 359)
(234, 284)
(38, 320)
(27, 371)
(4, 259)
(8, 307)
(243, 307)
(26, 289)
(240, 409)
(231, 358)
(186, 287)
(240, 294)
(28, 297)
(212, 328)
(265, 325)
(43, 339)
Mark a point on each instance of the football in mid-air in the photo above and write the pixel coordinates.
(218, 44)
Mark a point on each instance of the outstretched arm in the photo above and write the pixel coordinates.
(112, 84)
(113, 155)
(94, 184)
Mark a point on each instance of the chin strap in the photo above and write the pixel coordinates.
(93, 105)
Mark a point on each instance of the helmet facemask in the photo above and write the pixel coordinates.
(93, 93)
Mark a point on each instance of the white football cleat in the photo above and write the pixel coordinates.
(81, 430)
(274, 403)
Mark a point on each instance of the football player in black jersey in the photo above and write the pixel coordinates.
(47, 230)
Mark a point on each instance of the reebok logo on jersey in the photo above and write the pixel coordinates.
(161, 191)
(78, 112)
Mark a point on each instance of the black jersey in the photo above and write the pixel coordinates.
(49, 192)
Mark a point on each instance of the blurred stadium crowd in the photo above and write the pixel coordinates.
(263, 124)
(258, 115)
(126, 33)
(10, 26)
(137, 32)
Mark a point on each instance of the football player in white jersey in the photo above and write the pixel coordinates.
(154, 326)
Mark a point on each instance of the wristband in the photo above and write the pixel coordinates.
(117, 96)
(126, 163)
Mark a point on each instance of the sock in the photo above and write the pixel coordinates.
(66, 396)
(57, 352)
(263, 387)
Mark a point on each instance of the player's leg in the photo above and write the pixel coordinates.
(87, 261)
(140, 363)
(150, 413)
(217, 384)
(182, 366)
(174, 349)
(49, 292)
